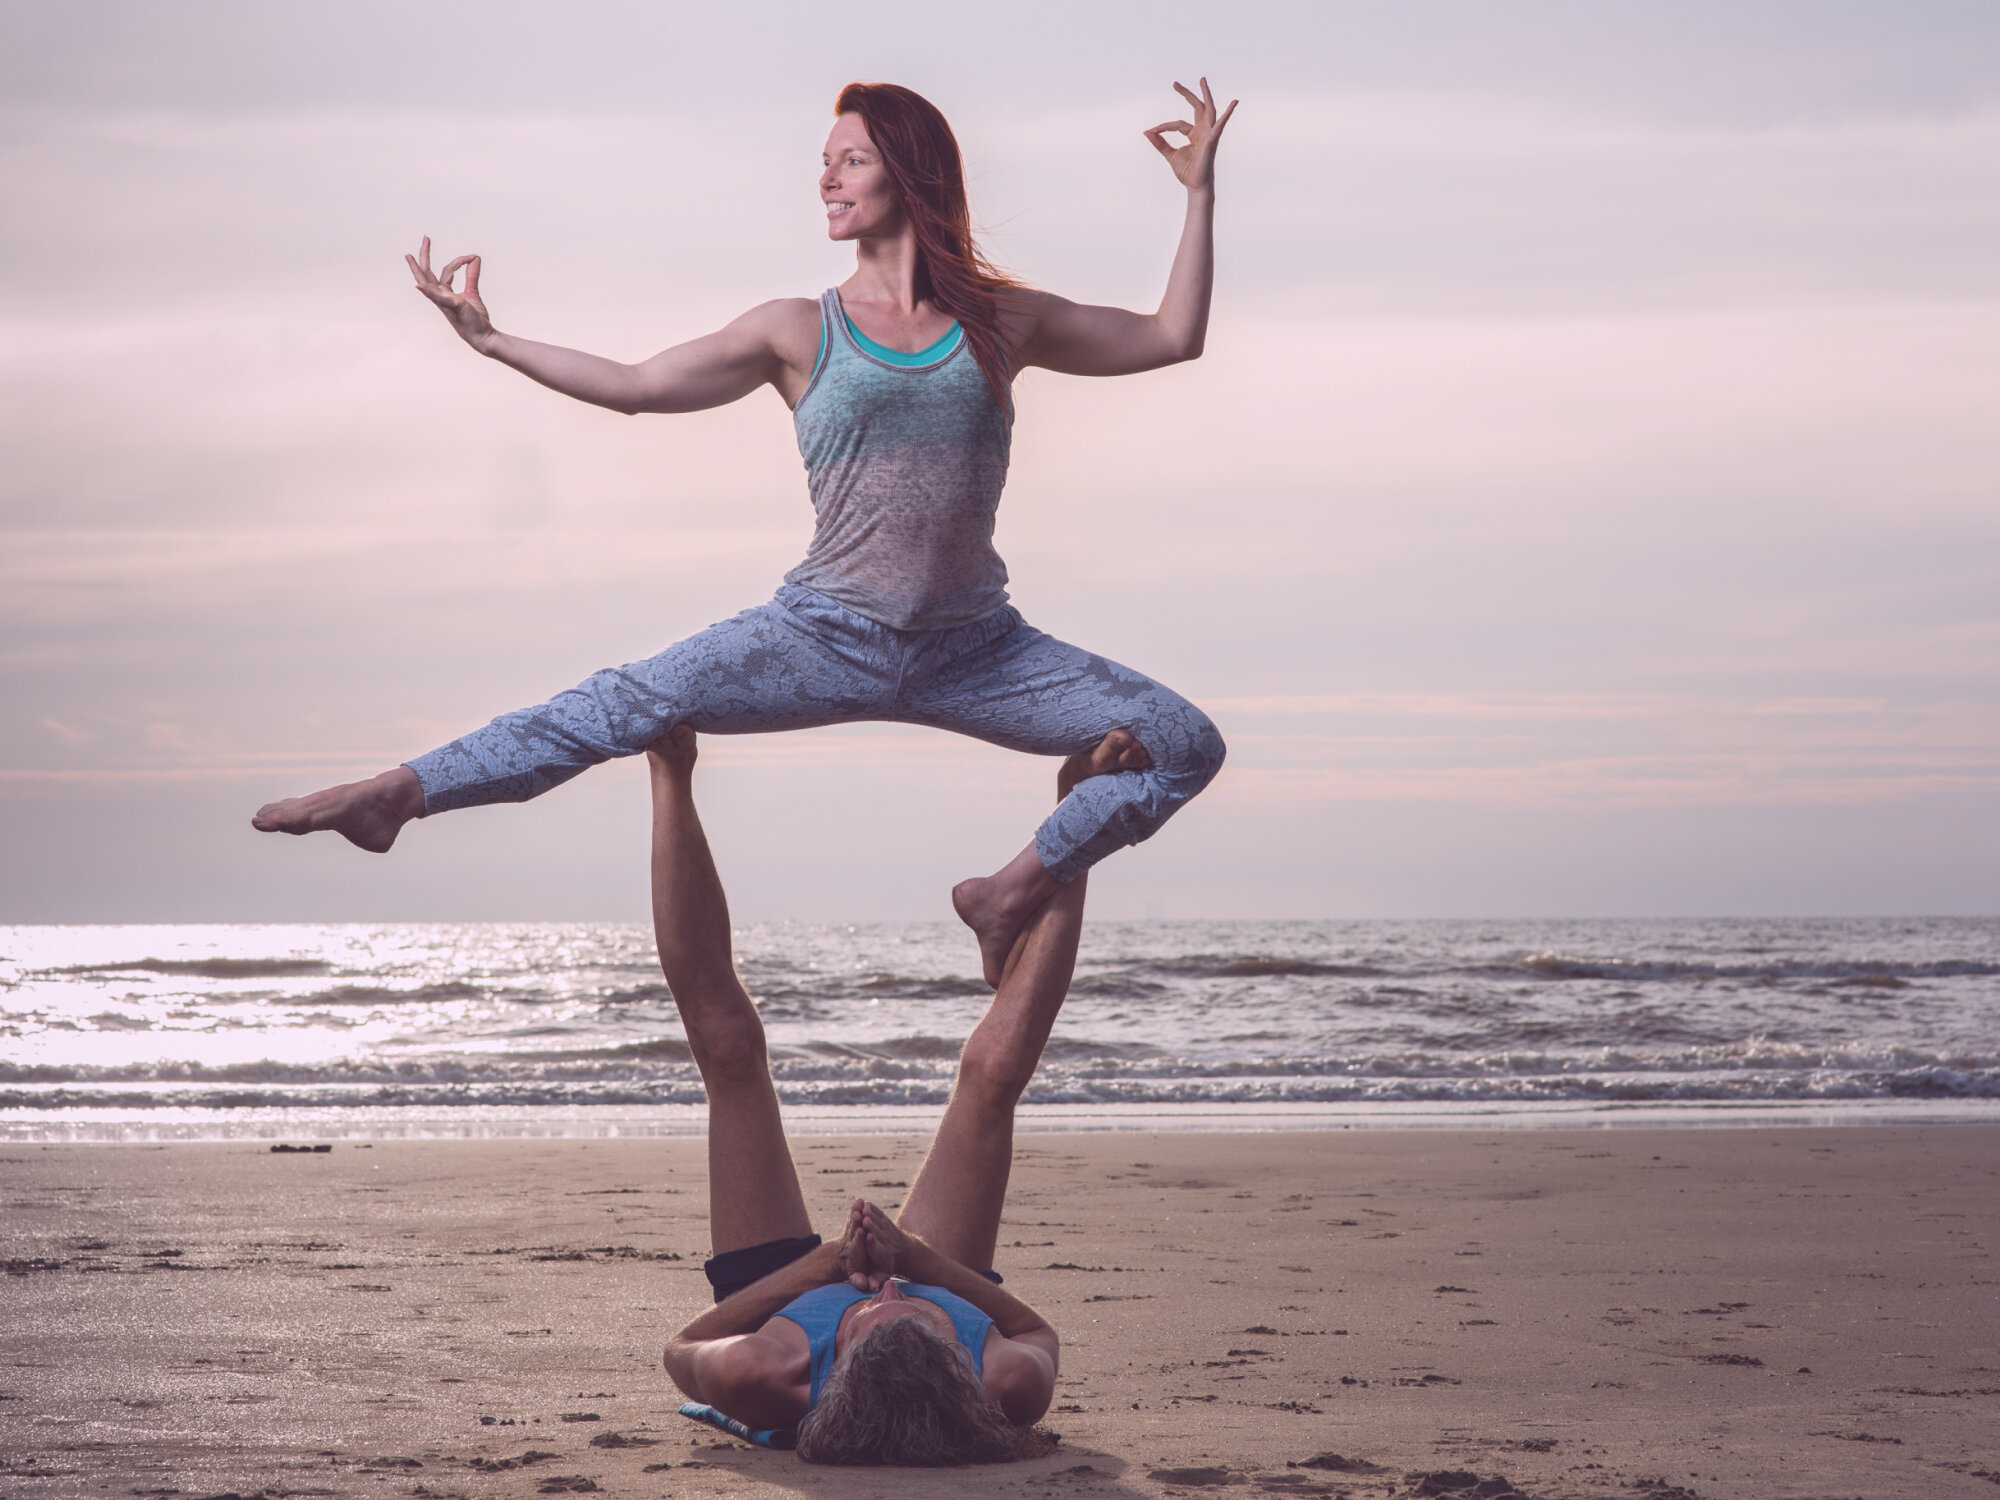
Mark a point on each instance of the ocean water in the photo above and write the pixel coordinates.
(499, 1026)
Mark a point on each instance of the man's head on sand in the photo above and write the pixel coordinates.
(903, 1393)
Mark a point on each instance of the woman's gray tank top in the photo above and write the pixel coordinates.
(905, 464)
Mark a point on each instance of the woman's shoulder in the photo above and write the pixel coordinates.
(792, 312)
(1021, 310)
(784, 320)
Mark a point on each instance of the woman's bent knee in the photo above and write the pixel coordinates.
(1209, 751)
(1191, 754)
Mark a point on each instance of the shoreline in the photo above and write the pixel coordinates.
(681, 1121)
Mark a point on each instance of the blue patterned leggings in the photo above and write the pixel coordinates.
(802, 660)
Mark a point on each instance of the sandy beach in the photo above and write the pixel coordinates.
(1659, 1314)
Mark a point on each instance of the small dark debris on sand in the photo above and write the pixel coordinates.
(1749, 1361)
(1461, 1484)
(1659, 1489)
(557, 1484)
(595, 1252)
(1199, 1479)
(281, 1149)
(1334, 1463)
(621, 1440)
(579, 1416)
(501, 1465)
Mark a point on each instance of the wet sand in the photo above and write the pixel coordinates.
(1657, 1314)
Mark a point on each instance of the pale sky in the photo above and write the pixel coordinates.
(1586, 506)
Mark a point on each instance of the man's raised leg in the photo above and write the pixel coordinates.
(957, 1196)
(753, 1187)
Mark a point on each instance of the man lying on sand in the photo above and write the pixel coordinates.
(895, 1344)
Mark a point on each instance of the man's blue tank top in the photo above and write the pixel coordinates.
(819, 1312)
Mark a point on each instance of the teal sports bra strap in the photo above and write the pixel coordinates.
(888, 356)
(881, 351)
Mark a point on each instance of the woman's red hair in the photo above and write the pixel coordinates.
(922, 159)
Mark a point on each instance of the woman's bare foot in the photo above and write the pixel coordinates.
(368, 814)
(996, 907)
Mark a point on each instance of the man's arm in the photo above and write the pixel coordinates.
(697, 1355)
(1020, 1374)
(1014, 1318)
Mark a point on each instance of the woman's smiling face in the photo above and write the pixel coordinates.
(854, 185)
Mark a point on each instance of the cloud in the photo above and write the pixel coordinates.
(67, 734)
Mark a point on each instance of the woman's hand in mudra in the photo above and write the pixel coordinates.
(465, 311)
(1193, 162)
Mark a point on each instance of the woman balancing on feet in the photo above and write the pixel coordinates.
(943, 1368)
(899, 381)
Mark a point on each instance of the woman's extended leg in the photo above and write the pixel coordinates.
(956, 1198)
(798, 661)
(753, 1188)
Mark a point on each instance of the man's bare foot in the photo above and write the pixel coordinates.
(996, 907)
(1117, 751)
(673, 753)
(368, 814)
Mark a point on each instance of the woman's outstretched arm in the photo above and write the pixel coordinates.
(774, 344)
(1074, 339)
